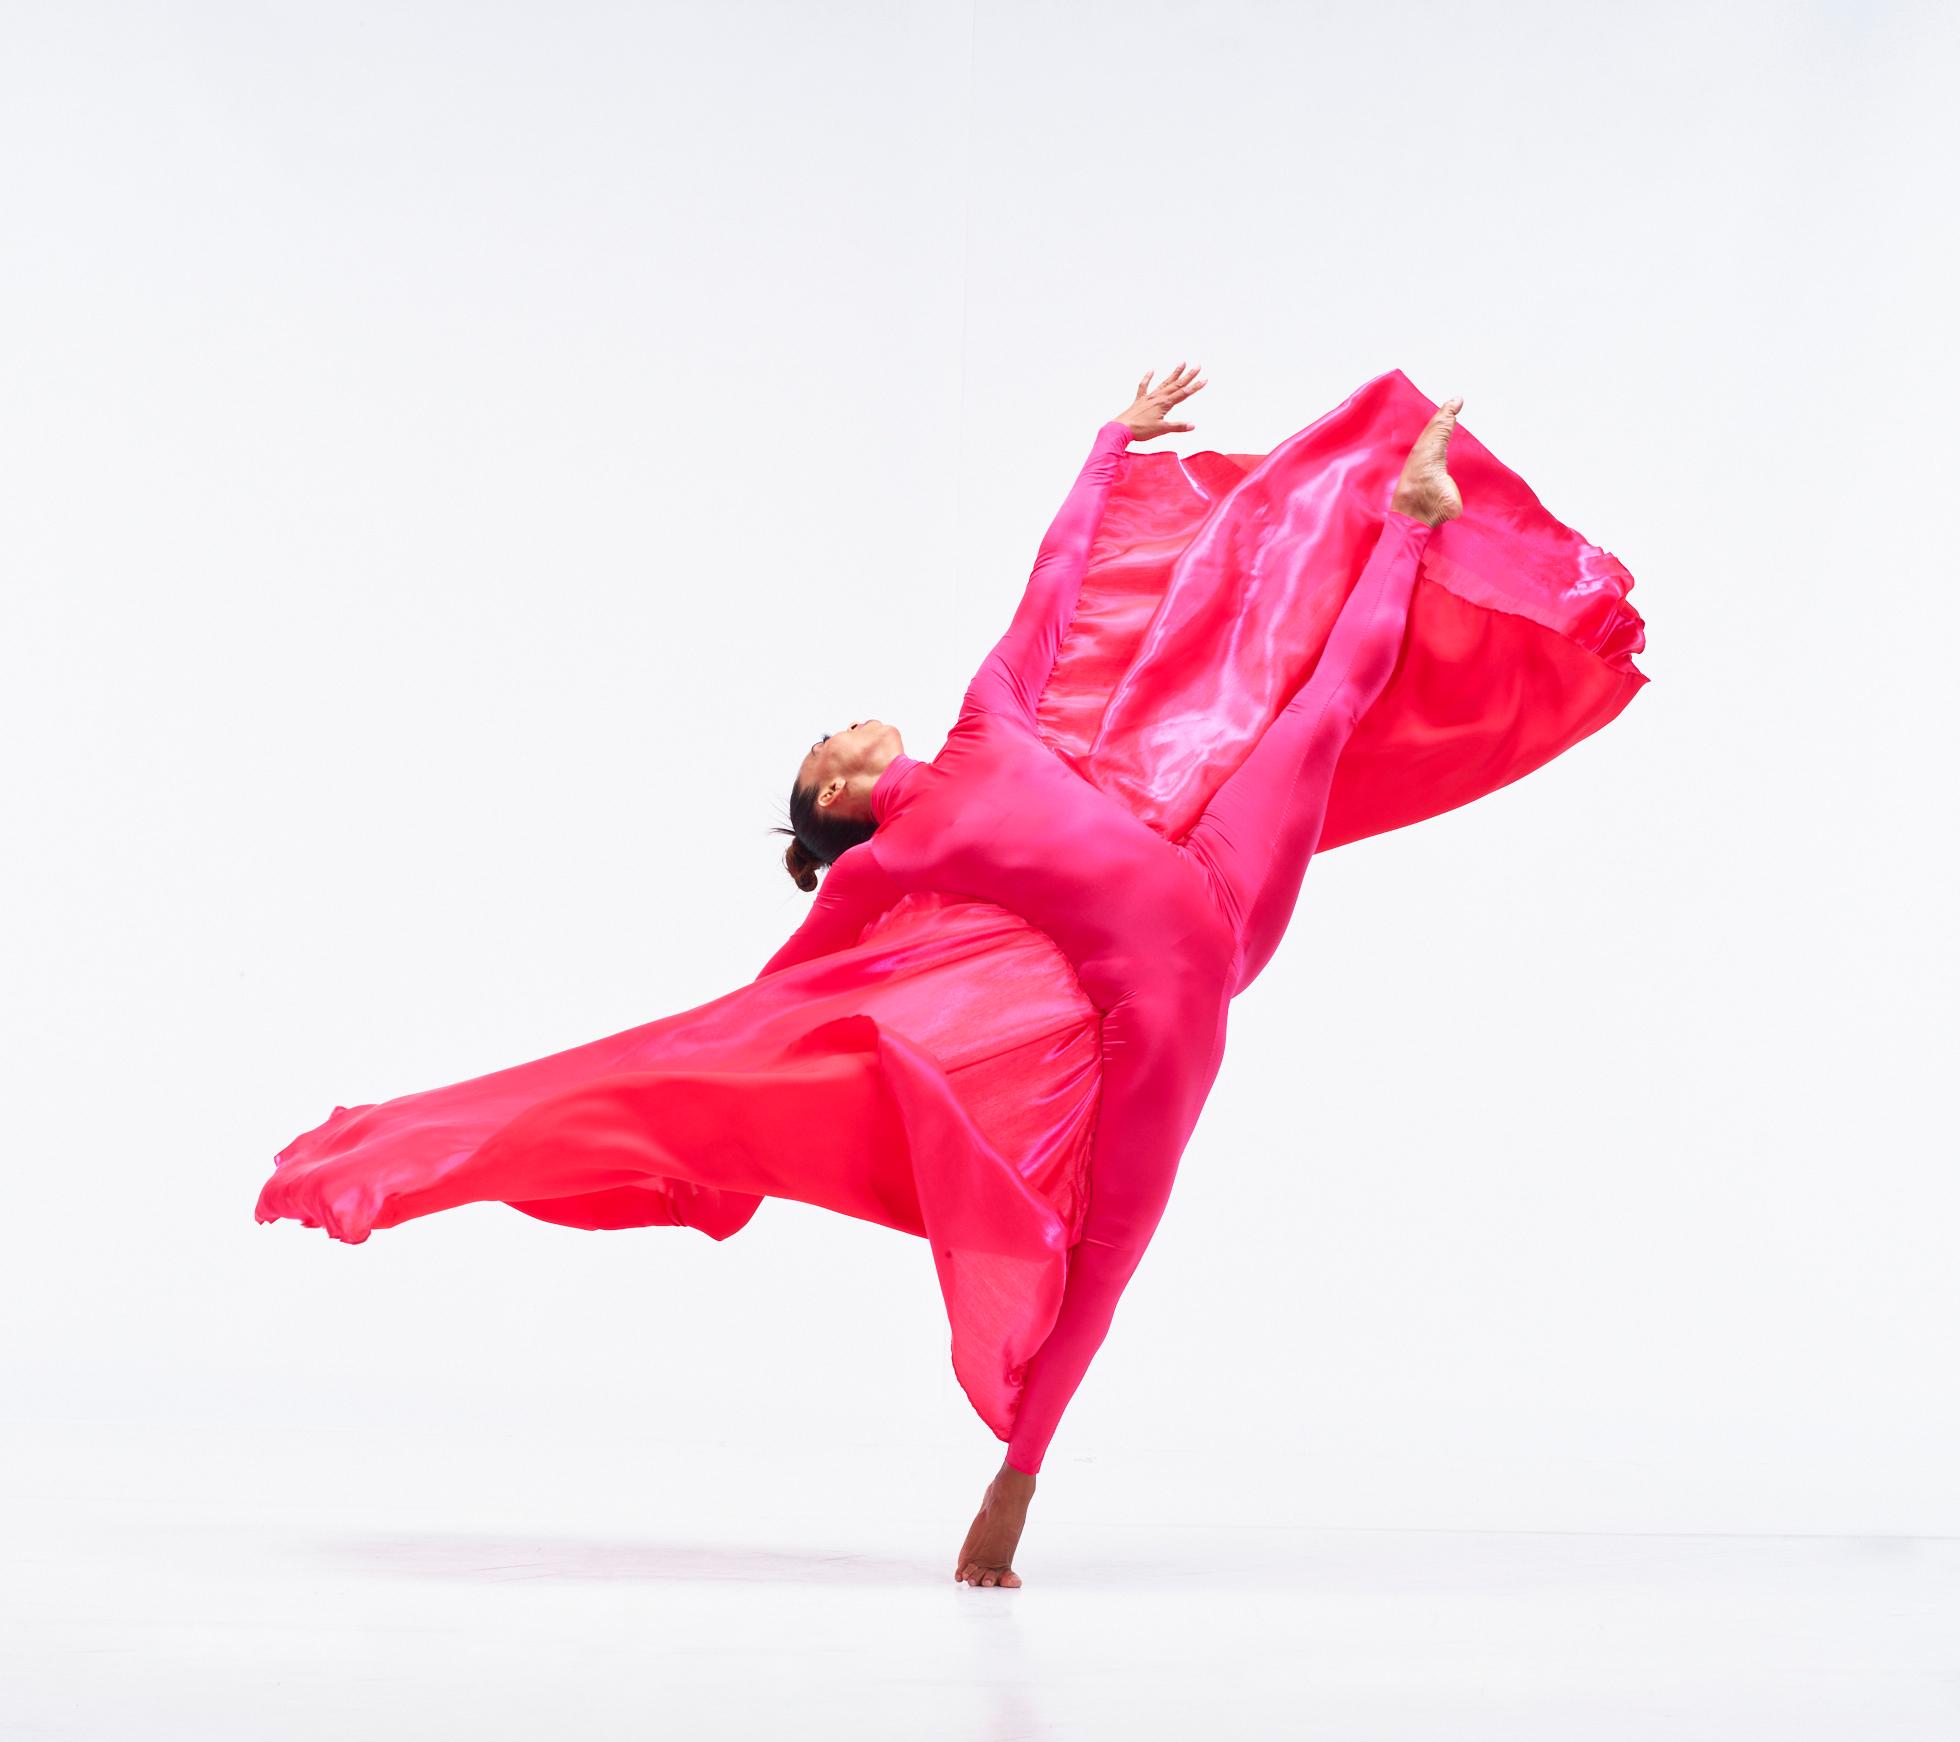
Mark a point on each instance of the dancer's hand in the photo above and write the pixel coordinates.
(1146, 417)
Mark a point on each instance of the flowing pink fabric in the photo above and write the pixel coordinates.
(932, 1058)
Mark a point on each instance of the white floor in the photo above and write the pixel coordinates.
(294, 1586)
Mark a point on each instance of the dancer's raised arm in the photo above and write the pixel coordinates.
(1011, 678)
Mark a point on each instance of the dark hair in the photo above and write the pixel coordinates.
(816, 836)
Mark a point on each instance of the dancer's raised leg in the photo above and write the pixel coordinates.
(1261, 828)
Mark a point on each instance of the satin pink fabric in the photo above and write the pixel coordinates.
(988, 993)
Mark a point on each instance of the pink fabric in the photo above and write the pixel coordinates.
(1000, 1020)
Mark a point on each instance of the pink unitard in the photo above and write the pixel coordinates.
(1162, 934)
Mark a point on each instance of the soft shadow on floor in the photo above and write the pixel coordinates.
(511, 1559)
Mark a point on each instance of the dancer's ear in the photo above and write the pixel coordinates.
(832, 788)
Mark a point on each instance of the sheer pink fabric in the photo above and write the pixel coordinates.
(934, 1049)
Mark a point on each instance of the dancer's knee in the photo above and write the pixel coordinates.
(1107, 1255)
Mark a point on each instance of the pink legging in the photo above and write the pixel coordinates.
(1253, 843)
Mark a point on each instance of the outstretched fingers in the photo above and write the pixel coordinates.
(1180, 383)
(1149, 415)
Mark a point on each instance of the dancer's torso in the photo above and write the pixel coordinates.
(997, 816)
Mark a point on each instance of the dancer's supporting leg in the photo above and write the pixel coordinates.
(1156, 1074)
(1262, 826)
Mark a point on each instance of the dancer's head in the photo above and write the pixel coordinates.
(830, 799)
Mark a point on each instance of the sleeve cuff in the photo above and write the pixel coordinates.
(1122, 429)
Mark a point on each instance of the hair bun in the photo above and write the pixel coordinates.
(801, 865)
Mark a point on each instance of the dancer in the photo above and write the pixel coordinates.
(1162, 933)
(998, 1024)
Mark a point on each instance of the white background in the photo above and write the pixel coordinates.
(452, 458)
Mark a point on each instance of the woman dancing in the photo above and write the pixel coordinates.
(999, 1022)
(1162, 933)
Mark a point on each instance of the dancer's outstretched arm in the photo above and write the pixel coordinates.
(1011, 678)
(855, 891)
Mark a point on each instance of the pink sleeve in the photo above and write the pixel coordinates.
(855, 890)
(1011, 678)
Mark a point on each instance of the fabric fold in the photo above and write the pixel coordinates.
(940, 1079)
(1216, 578)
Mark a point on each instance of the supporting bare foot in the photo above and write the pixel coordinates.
(987, 1553)
(1426, 491)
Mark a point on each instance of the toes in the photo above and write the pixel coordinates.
(985, 1578)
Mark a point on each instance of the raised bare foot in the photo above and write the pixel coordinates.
(987, 1553)
(1426, 491)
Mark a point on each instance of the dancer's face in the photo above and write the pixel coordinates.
(843, 765)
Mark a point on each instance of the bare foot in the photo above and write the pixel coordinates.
(1426, 491)
(987, 1553)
